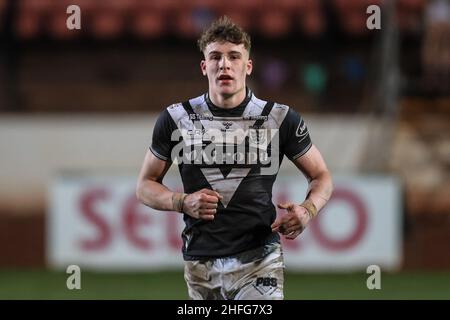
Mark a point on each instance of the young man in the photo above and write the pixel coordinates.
(228, 145)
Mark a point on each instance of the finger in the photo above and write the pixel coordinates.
(212, 193)
(281, 229)
(290, 222)
(276, 228)
(207, 198)
(208, 205)
(289, 230)
(207, 212)
(279, 222)
(287, 206)
(294, 235)
(207, 217)
(276, 224)
(283, 205)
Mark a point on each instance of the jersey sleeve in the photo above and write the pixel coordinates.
(162, 143)
(294, 135)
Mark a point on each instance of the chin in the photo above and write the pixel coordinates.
(226, 90)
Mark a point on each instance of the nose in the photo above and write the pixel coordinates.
(224, 63)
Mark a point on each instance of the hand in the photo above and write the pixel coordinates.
(202, 204)
(293, 222)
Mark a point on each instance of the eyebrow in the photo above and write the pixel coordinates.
(230, 52)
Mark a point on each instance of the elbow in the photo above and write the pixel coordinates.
(326, 181)
(330, 184)
(144, 194)
(139, 192)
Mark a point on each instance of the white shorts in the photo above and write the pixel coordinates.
(256, 274)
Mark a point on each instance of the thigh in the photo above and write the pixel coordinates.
(262, 279)
(202, 280)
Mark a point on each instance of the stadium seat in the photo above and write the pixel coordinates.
(312, 23)
(306, 5)
(57, 18)
(238, 16)
(248, 6)
(122, 5)
(274, 23)
(36, 5)
(409, 15)
(355, 24)
(2, 9)
(164, 5)
(184, 25)
(352, 15)
(85, 5)
(57, 26)
(107, 24)
(415, 5)
(27, 24)
(148, 24)
(291, 5)
(206, 4)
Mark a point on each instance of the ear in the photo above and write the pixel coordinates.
(249, 67)
(203, 67)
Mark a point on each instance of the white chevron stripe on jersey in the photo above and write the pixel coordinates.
(228, 185)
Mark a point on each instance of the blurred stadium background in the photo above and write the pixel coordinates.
(77, 109)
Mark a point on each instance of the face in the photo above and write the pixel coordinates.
(226, 65)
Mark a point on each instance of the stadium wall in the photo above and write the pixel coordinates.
(37, 149)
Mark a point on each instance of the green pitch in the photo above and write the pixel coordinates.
(41, 284)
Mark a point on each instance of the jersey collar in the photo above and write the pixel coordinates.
(236, 111)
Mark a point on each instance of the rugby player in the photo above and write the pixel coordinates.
(228, 145)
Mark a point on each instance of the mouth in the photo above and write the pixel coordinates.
(225, 78)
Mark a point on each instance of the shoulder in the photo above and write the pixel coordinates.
(279, 110)
(177, 110)
(290, 120)
(174, 109)
(277, 113)
(292, 114)
(293, 119)
(169, 117)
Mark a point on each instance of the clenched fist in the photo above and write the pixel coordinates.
(202, 204)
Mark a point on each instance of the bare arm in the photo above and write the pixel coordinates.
(151, 192)
(312, 165)
(315, 170)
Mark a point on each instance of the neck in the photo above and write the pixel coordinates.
(228, 101)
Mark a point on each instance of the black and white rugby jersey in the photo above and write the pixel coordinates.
(236, 152)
